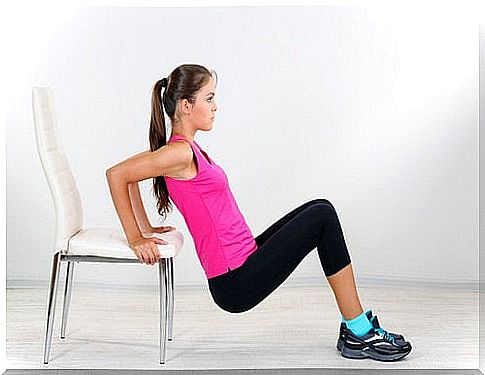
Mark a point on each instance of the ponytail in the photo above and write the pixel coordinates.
(158, 138)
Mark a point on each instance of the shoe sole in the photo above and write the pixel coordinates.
(371, 353)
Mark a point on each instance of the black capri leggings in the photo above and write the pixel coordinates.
(280, 250)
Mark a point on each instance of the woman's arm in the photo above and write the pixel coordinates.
(121, 199)
(165, 160)
(138, 208)
(125, 197)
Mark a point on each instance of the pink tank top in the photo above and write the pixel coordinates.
(221, 235)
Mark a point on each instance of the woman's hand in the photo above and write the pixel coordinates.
(146, 249)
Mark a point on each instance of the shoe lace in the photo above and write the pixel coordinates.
(384, 334)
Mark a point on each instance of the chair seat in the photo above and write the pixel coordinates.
(112, 243)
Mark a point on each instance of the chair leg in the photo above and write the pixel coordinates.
(162, 266)
(67, 297)
(170, 298)
(51, 305)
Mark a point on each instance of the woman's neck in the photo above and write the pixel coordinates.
(187, 135)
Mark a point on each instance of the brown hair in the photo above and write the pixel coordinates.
(183, 83)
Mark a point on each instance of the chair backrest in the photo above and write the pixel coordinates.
(62, 185)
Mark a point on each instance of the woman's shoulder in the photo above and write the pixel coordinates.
(181, 151)
(181, 147)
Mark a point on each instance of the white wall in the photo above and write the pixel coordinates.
(373, 109)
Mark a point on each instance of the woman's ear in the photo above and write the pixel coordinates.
(185, 106)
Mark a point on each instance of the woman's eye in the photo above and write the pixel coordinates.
(209, 99)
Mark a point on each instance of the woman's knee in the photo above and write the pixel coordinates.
(322, 205)
(320, 201)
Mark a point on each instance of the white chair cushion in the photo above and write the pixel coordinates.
(112, 243)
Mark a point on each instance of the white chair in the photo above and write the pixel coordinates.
(73, 243)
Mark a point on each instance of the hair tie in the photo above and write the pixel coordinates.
(164, 82)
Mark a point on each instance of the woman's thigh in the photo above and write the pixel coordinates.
(272, 263)
(285, 219)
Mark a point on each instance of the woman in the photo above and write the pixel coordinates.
(242, 270)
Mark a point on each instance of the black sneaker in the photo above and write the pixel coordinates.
(343, 330)
(376, 344)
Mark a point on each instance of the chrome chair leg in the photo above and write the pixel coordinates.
(51, 305)
(162, 266)
(67, 297)
(170, 298)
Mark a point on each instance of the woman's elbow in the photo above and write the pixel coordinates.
(117, 175)
(111, 173)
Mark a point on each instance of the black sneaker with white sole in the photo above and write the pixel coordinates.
(377, 344)
(343, 330)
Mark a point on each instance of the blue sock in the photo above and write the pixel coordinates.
(360, 325)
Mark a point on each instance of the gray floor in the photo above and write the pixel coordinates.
(295, 327)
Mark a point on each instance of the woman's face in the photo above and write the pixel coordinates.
(204, 108)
